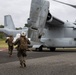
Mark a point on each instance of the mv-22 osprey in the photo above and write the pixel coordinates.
(48, 30)
(9, 27)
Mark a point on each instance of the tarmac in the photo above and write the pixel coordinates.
(50, 65)
(34, 67)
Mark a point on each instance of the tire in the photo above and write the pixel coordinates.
(52, 49)
(40, 48)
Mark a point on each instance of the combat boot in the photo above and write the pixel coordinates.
(21, 65)
(24, 65)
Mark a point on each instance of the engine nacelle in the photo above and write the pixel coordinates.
(38, 17)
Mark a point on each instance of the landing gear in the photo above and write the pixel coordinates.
(52, 49)
(40, 48)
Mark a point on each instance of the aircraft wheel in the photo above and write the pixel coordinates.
(52, 49)
(36, 49)
(40, 48)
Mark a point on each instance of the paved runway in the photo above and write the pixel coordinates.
(50, 63)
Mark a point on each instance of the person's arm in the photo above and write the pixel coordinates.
(28, 42)
(16, 42)
(6, 40)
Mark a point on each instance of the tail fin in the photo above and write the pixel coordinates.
(8, 22)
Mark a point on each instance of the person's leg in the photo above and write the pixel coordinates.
(24, 58)
(20, 59)
(9, 51)
(24, 61)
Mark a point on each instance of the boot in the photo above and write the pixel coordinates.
(24, 65)
(21, 65)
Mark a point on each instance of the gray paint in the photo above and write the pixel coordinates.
(55, 33)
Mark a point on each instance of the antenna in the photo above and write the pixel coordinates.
(74, 6)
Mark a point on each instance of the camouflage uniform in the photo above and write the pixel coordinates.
(10, 44)
(21, 53)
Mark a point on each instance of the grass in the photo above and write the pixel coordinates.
(3, 44)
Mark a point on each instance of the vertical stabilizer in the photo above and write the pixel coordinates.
(8, 22)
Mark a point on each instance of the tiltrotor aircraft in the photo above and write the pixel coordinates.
(9, 27)
(48, 30)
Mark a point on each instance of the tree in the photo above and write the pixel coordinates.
(1, 35)
(1, 26)
(26, 25)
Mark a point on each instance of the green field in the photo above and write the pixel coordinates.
(3, 44)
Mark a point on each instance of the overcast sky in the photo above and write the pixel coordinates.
(19, 10)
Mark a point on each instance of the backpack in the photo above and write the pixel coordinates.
(23, 44)
(10, 41)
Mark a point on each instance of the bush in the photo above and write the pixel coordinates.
(2, 36)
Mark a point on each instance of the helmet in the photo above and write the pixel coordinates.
(23, 34)
(18, 35)
(7, 37)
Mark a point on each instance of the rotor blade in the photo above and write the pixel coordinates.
(74, 6)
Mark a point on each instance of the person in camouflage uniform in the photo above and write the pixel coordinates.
(22, 46)
(9, 41)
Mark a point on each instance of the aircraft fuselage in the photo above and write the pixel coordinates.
(60, 36)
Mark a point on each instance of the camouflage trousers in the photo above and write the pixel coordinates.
(10, 50)
(22, 61)
(22, 57)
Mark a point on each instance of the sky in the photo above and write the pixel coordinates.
(20, 10)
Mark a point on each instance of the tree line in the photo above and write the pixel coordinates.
(2, 36)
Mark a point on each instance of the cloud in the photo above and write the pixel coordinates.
(19, 10)
(63, 12)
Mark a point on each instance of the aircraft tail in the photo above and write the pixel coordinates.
(8, 22)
